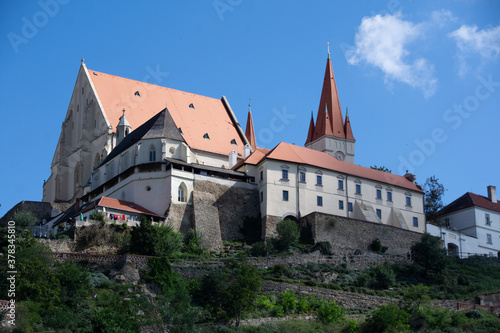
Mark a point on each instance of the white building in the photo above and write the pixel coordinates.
(470, 225)
(185, 158)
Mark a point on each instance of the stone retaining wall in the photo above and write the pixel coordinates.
(348, 235)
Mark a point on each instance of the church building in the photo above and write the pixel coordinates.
(185, 158)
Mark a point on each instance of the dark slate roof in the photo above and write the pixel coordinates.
(160, 126)
(470, 200)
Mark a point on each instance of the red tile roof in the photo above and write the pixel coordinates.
(249, 132)
(291, 153)
(470, 200)
(194, 114)
(124, 206)
(329, 120)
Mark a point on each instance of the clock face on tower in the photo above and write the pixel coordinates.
(339, 155)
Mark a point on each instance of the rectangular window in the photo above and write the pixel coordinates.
(319, 180)
(302, 177)
(487, 217)
(341, 204)
(408, 201)
(349, 206)
(489, 240)
(320, 201)
(261, 196)
(285, 195)
(389, 196)
(379, 194)
(284, 174)
(341, 184)
(415, 222)
(262, 175)
(358, 188)
(379, 213)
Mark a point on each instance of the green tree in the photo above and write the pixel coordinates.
(329, 312)
(381, 168)
(428, 254)
(159, 240)
(288, 234)
(244, 284)
(417, 295)
(388, 318)
(433, 193)
(167, 241)
(24, 219)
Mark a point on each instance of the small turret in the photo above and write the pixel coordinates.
(123, 128)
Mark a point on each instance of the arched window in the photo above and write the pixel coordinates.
(152, 154)
(182, 193)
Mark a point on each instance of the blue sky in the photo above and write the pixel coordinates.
(421, 79)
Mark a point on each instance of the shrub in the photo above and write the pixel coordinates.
(288, 301)
(98, 216)
(194, 242)
(24, 219)
(303, 305)
(99, 280)
(278, 311)
(352, 326)
(385, 276)
(288, 234)
(324, 247)
(389, 318)
(376, 246)
(428, 254)
(329, 312)
(259, 248)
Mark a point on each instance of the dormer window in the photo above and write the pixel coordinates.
(180, 130)
(137, 94)
(205, 136)
(233, 142)
(191, 106)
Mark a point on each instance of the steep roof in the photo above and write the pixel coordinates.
(160, 125)
(291, 153)
(310, 133)
(329, 120)
(249, 132)
(127, 206)
(348, 129)
(470, 200)
(196, 115)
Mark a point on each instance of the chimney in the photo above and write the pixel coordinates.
(247, 151)
(233, 158)
(492, 193)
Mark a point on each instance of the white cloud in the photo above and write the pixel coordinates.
(471, 41)
(442, 17)
(382, 41)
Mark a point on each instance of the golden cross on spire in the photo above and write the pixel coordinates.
(328, 46)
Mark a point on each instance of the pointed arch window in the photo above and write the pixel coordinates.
(152, 153)
(182, 193)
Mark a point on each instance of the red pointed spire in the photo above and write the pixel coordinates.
(347, 127)
(249, 132)
(329, 102)
(311, 130)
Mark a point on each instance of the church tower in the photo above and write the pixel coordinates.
(331, 134)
